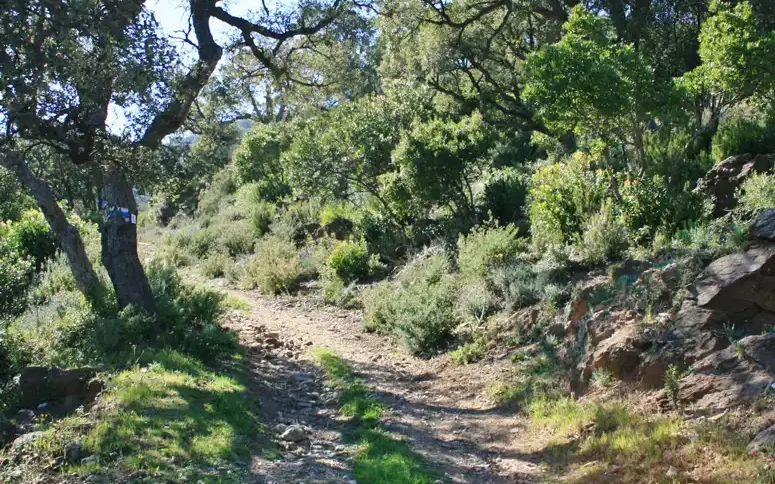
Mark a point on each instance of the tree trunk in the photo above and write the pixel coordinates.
(119, 244)
(70, 240)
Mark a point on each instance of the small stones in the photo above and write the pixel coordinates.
(92, 459)
(671, 472)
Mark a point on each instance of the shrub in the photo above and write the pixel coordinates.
(336, 292)
(237, 237)
(469, 352)
(224, 184)
(487, 248)
(756, 194)
(516, 285)
(275, 266)
(336, 211)
(650, 204)
(605, 237)
(31, 237)
(350, 261)
(258, 160)
(475, 301)
(418, 307)
(216, 265)
(504, 195)
(562, 195)
(16, 274)
(744, 133)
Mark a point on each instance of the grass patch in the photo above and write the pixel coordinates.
(381, 457)
(590, 438)
(469, 352)
(172, 419)
(236, 303)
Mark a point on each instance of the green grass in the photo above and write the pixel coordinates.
(234, 302)
(172, 419)
(469, 352)
(381, 457)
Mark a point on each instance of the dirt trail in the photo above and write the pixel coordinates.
(438, 406)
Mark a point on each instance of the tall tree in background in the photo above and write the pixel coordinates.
(68, 64)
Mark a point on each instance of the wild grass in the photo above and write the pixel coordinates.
(170, 418)
(381, 458)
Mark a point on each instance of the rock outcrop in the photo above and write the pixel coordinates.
(68, 388)
(741, 284)
(723, 180)
(765, 225)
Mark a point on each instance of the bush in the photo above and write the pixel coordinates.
(516, 285)
(487, 248)
(418, 307)
(275, 266)
(237, 237)
(217, 265)
(562, 195)
(31, 237)
(218, 194)
(469, 352)
(504, 196)
(756, 194)
(650, 204)
(605, 237)
(16, 273)
(258, 160)
(350, 261)
(744, 133)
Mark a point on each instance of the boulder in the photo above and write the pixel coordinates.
(740, 284)
(620, 354)
(294, 433)
(666, 278)
(73, 452)
(24, 440)
(39, 384)
(760, 349)
(765, 225)
(8, 432)
(764, 440)
(721, 381)
(721, 182)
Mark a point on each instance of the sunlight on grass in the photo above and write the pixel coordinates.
(173, 418)
(588, 438)
(236, 303)
(381, 458)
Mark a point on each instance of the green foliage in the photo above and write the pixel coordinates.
(418, 307)
(470, 352)
(486, 249)
(197, 421)
(562, 195)
(31, 237)
(350, 261)
(604, 238)
(516, 285)
(440, 159)
(673, 376)
(588, 82)
(744, 133)
(276, 265)
(737, 53)
(258, 159)
(505, 194)
(650, 204)
(16, 272)
(224, 184)
(755, 194)
(13, 200)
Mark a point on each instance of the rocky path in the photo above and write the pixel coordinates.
(437, 406)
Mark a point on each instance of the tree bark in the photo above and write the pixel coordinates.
(119, 245)
(86, 280)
